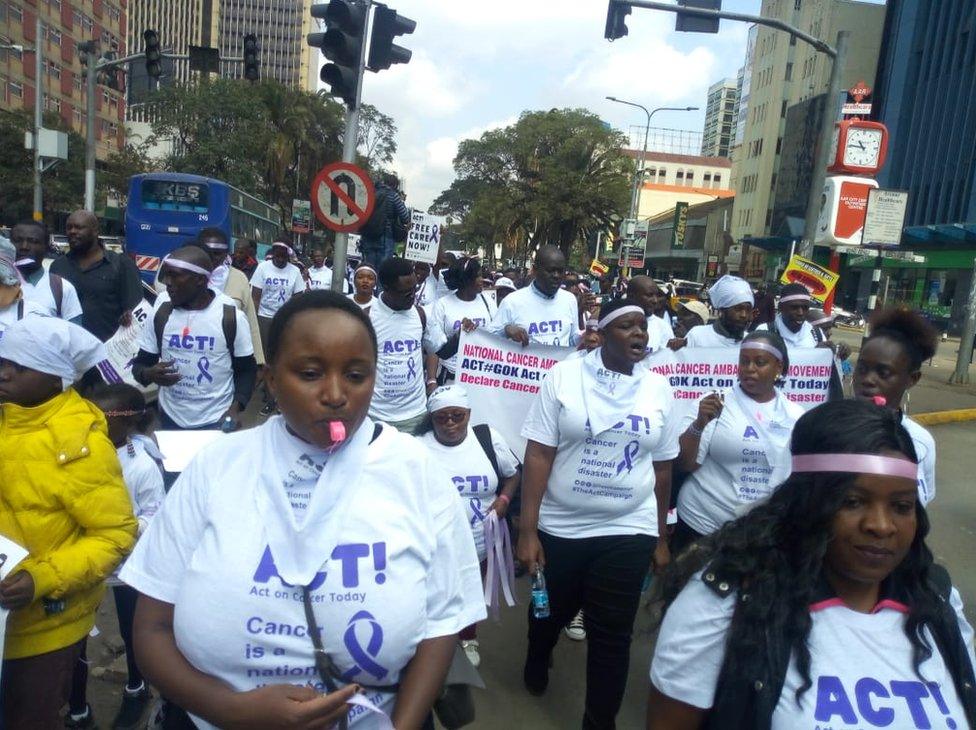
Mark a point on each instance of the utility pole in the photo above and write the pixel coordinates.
(91, 87)
(350, 143)
(38, 117)
(961, 374)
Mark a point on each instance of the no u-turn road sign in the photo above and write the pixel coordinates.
(343, 197)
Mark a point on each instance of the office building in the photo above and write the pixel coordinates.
(721, 110)
(65, 24)
(670, 179)
(785, 72)
(923, 93)
(280, 27)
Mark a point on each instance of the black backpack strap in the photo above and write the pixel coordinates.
(229, 324)
(20, 308)
(423, 317)
(377, 430)
(483, 433)
(159, 322)
(57, 291)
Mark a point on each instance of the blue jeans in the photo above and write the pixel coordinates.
(376, 251)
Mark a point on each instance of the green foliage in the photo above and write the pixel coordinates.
(64, 184)
(553, 177)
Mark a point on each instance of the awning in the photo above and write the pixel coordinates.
(940, 236)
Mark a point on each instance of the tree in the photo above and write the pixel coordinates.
(133, 159)
(377, 137)
(553, 177)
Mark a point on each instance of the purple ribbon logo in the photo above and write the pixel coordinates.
(411, 369)
(365, 657)
(203, 365)
(630, 451)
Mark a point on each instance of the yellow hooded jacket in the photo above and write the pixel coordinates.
(63, 499)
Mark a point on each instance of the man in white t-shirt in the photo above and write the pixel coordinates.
(733, 299)
(53, 294)
(648, 295)
(542, 313)
(400, 394)
(197, 347)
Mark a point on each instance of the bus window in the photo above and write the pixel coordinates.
(174, 196)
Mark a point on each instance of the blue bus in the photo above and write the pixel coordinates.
(168, 210)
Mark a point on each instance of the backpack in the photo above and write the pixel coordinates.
(400, 229)
(483, 433)
(375, 225)
(228, 324)
(57, 291)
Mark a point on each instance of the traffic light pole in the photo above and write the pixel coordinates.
(38, 118)
(837, 55)
(350, 144)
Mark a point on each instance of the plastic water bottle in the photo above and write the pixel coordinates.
(540, 596)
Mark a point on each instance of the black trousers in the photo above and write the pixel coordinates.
(683, 537)
(602, 576)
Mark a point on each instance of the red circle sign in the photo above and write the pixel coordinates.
(343, 197)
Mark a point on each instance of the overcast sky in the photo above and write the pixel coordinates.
(477, 64)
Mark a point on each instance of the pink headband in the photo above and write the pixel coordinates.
(629, 309)
(882, 466)
(185, 265)
(794, 298)
(754, 345)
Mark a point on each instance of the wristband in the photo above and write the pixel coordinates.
(505, 498)
(431, 381)
(694, 430)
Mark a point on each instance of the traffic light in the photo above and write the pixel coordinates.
(154, 56)
(110, 76)
(342, 44)
(251, 62)
(616, 21)
(86, 53)
(698, 23)
(387, 25)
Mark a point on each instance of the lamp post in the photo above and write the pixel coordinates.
(647, 131)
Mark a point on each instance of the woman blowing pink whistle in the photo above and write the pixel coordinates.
(284, 551)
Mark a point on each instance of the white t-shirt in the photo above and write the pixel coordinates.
(363, 306)
(472, 474)
(704, 335)
(803, 337)
(548, 320)
(143, 477)
(925, 450)
(431, 289)
(277, 286)
(400, 392)
(860, 664)
(9, 314)
(393, 559)
(195, 340)
(321, 278)
(445, 319)
(302, 466)
(659, 333)
(42, 295)
(601, 485)
(734, 471)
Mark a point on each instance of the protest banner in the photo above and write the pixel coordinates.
(819, 280)
(697, 371)
(123, 346)
(10, 555)
(502, 378)
(424, 237)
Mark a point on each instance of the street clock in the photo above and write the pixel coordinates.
(859, 147)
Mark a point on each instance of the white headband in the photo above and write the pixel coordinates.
(629, 309)
(365, 268)
(826, 319)
(754, 345)
(794, 298)
(216, 245)
(283, 245)
(186, 266)
(448, 396)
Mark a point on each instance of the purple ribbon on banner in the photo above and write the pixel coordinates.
(501, 565)
(630, 451)
(365, 658)
(203, 365)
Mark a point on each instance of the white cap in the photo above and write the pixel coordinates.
(505, 283)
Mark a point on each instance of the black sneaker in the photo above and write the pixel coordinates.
(132, 709)
(86, 720)
(536, 676)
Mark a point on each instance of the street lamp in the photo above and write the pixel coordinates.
(647, 131)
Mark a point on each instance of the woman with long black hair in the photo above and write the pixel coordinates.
(821, 607)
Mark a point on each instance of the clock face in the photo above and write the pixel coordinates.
(862, 147)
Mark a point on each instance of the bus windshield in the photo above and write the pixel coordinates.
(174, 196)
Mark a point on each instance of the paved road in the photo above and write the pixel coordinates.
(506, 706)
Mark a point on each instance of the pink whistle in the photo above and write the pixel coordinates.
(337, 432)
(879, 400)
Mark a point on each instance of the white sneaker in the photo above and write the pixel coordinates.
(575, 629)
(471, 652)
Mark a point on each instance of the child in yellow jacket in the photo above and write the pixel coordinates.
(63, 499)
